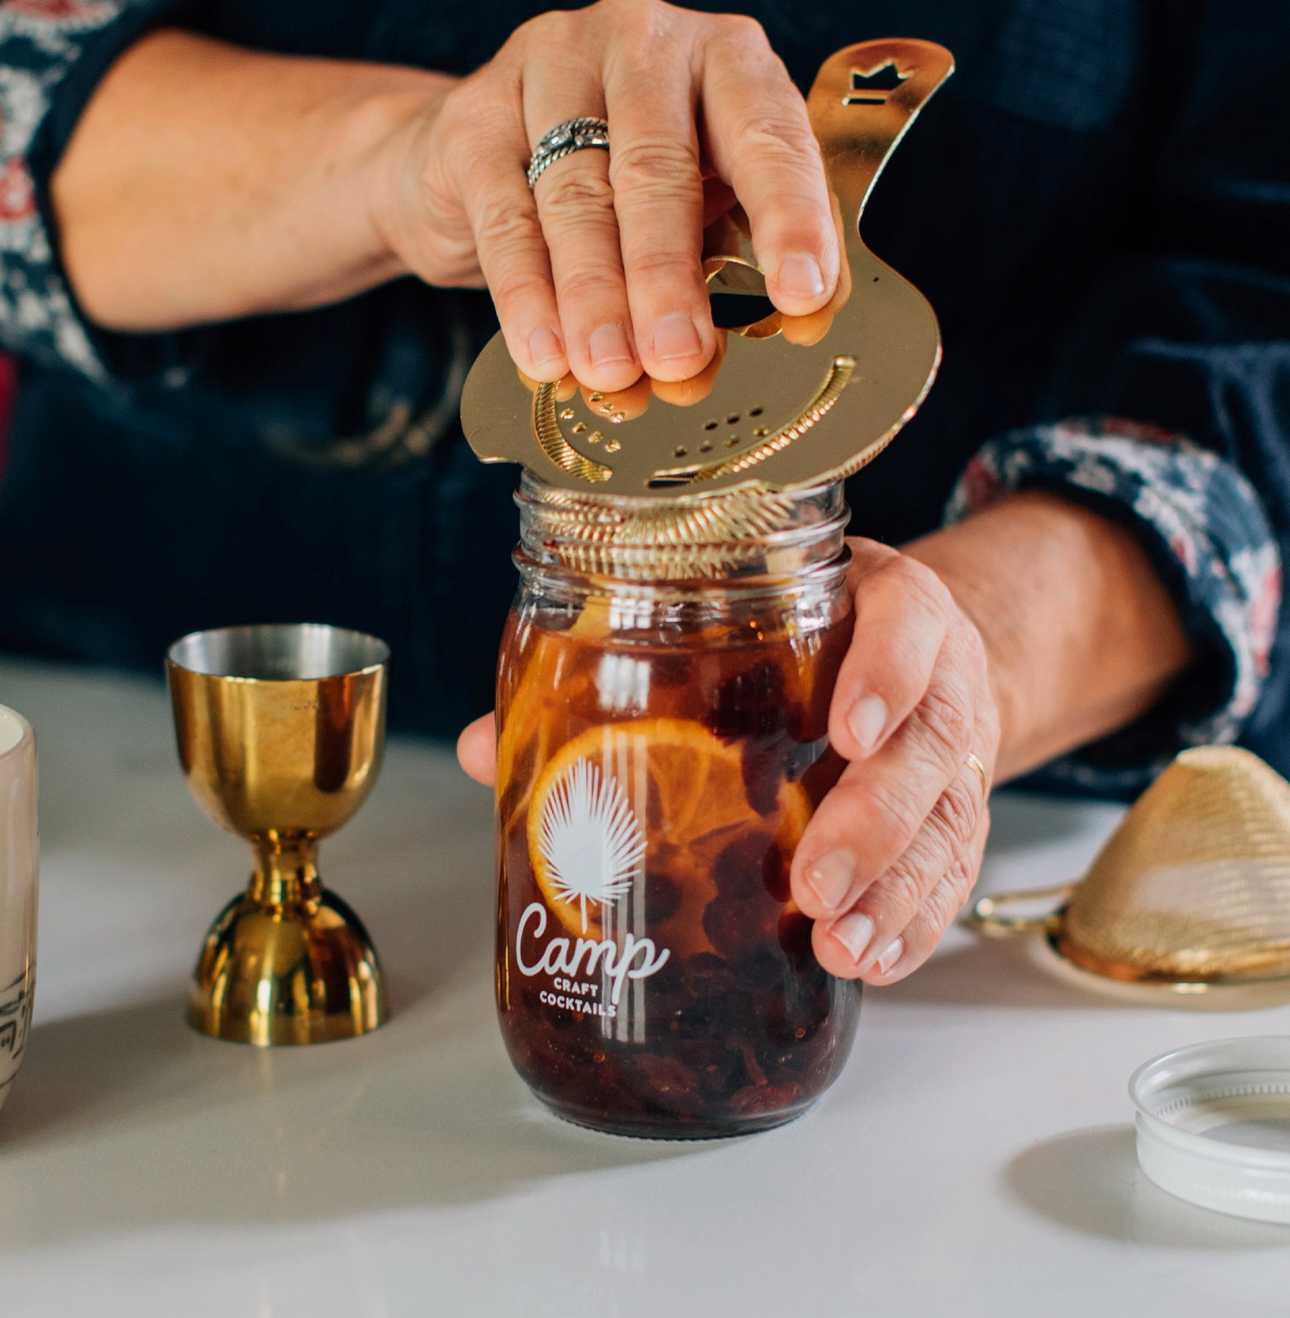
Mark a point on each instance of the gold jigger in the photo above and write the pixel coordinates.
(281, 731)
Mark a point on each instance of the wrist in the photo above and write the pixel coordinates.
(206, 182)
(1001, 639)
(1080, 635)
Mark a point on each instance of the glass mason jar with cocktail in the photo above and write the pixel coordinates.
(666, 674)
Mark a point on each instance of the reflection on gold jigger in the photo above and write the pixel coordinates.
(281, 731)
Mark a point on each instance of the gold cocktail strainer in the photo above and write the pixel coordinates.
(705, 469)
(1191, 893)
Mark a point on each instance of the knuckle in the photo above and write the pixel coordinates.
(480, 112)
(576, 193)
(639, 31)
(661, 269)
(947, 879)
(868, 559)
(556, 26)
(960, 879)
(783, 142)
(667, 163)
(900, 893)
(955, 815)
(641, 20)
(940, 851)
(945, 720)
(923, 585)
(940, 908)
(506, 228)
(872, 555)
(471, 92)
(920, 937)
(589, 286)
(741, 30)
(928, 925)
(898, 809)
(518, 288)
(621, 9)
(903, 655)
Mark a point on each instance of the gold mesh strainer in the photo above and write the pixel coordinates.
(1191, 890)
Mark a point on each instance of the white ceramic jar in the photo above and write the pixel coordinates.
(19, 863)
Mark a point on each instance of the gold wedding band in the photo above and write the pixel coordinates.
(979, 769)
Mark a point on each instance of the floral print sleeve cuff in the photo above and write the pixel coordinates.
(1207, 534)
(52, 55)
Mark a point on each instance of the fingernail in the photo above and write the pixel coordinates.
(799, 276)
(866, 721)
(544, 346)
(830, 877)
(854, 932)
(607, 345)
(891, 954)
(675, 336)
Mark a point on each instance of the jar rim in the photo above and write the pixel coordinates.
(751, 533)
(548, 575)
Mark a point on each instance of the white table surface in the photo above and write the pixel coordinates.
(975, 1158)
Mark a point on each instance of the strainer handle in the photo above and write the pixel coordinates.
(985, 920)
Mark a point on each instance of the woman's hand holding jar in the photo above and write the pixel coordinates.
(1028, 629)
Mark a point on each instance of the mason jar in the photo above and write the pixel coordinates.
(663, 699)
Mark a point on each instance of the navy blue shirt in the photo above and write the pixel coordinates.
(1097, 205)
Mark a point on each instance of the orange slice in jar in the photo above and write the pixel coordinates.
(626, 823)
(549, 676)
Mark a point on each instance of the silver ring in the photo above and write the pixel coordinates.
(563, 140)
(979, 769)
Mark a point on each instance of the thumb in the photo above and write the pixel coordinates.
(477, 750)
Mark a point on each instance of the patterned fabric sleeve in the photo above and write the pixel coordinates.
(52, 54)
(1208, 536)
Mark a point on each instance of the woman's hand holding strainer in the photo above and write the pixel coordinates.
(596, 270)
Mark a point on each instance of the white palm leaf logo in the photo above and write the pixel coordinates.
(590, 840)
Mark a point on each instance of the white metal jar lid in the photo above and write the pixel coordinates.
(1213, 1125)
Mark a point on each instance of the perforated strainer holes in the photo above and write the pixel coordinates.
(567, 414)
(733, 419)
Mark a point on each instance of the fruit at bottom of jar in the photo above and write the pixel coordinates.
(663, 801)
(728, 1045)
(720, 771)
